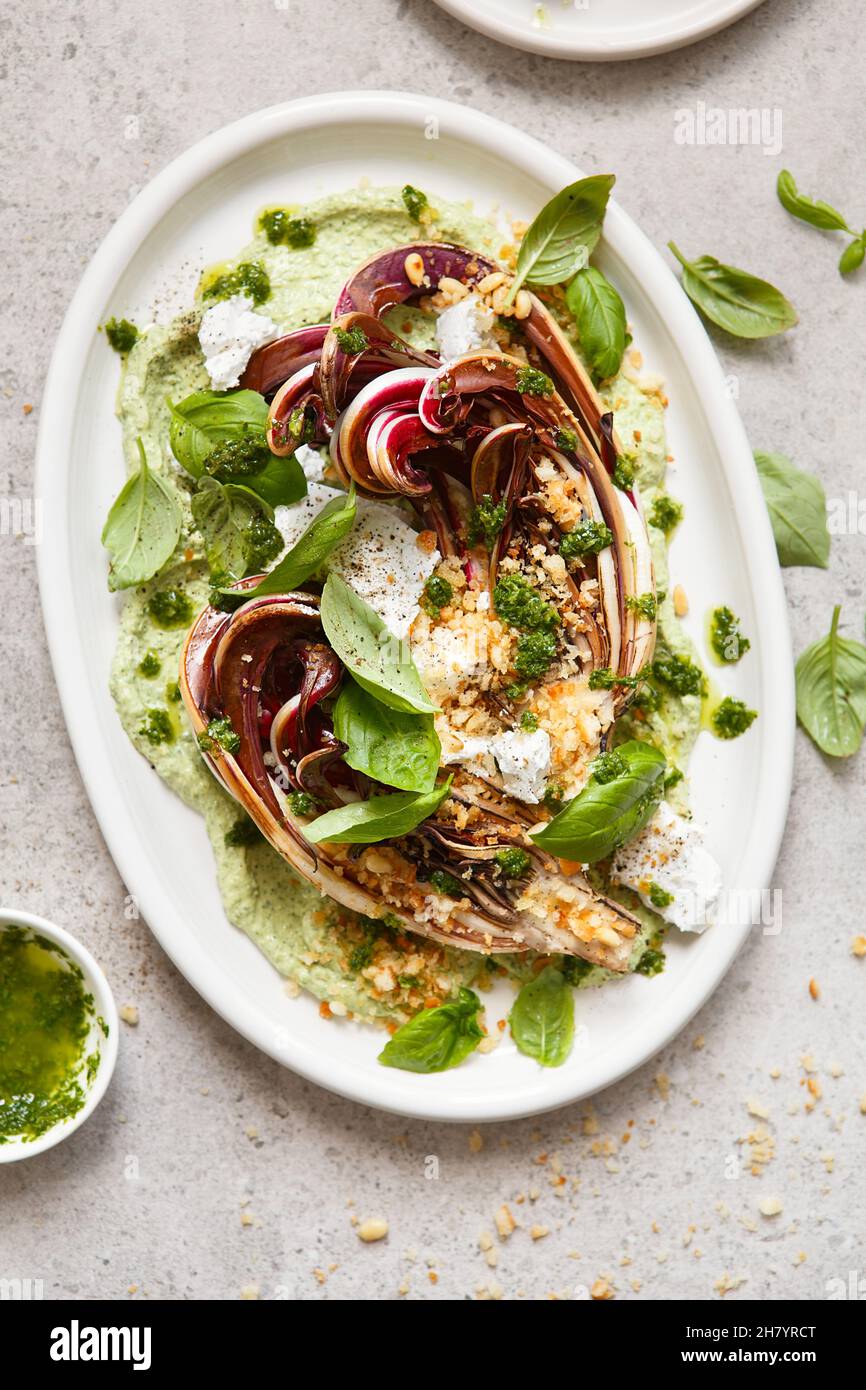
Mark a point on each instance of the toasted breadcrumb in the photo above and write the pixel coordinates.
(770, 1206)
(726, 1283)
(505, 1223)
(374, 1228)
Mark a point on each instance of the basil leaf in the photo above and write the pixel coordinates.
(563, 234)
(542, 1018)
(207, 418)
(819, 214)
(401, 750)
(142, 528)
(810, 210)
(798, 511)
(380, 818)
(378, 660)
(240, 492)
(853, 255)
(312, 548)
(307, 555)
(280, 484)
(223, 514)
(831, 692)
(605, 815)
(600, 317)
(737, 301)
(436, 1039)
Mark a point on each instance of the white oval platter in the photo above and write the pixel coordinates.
(199, 210)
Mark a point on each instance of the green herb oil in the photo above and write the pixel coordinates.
(44, 1023)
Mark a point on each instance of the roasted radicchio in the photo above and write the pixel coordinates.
(500, 427)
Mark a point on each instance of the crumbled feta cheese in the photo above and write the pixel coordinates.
(312, 462)
(523, 760)
(380, 559)
(229, 334)
(464, 327)
(482, 603)
(467, 751)
(669, 854)
(451, 658)
(383, 562)
(292, 522)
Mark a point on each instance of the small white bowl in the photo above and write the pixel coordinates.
(103, 1040)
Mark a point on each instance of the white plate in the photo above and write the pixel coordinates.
(598, 30)
(198, 210)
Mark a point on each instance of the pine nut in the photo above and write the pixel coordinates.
(491, 282)
(522, 304)
(454, 289)
(414, 268)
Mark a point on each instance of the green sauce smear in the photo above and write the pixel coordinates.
(726, 638)
(44, 1023)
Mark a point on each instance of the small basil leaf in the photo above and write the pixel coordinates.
(853, 255)
(256, 505)
(600, 317)
(436, 1039)
(142, 528)
(798, 511)
(280, 484)
(605, 815)
(207, 418)
(311, 550)
(542, 1018)
(559, 241)
(223, 515)
(735, 300)
(380, 818)
(810, 210)
(831, 692)
(401, 750)
(378, 660)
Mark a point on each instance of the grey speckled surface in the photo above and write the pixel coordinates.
(149, 1194)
